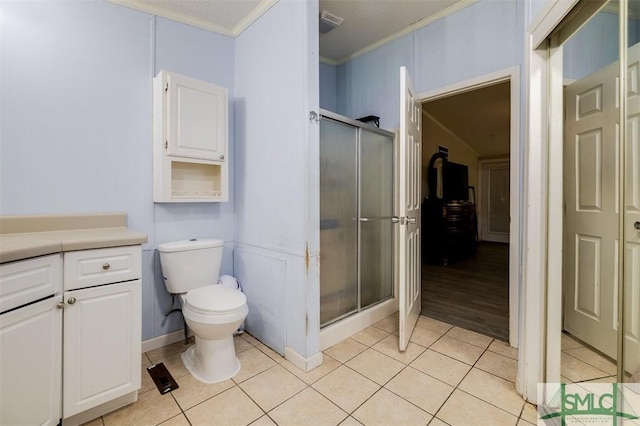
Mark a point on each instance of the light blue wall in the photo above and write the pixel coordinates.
(480, 39)
(595, 45)
(328, 87)
(276, 70)
(75, 122)
(370, 84)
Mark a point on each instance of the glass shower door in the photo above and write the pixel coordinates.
(338, 225)
(376, 211)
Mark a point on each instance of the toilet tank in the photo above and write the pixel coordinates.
(190, 264)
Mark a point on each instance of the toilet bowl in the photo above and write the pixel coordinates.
(212, 311)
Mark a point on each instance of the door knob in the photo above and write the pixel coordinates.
(637, 225)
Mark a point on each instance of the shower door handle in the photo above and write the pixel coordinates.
(394, 219)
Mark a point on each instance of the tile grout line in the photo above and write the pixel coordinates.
(461, 380)
(395, 375)
(465, 376)
(586, 362)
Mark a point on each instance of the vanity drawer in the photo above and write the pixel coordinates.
(26, 281)
(88, 268)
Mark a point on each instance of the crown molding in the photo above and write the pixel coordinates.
(154, 9)
(408, 30)
(328, 61)
(256, 13)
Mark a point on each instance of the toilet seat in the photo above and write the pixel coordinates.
(215, 304)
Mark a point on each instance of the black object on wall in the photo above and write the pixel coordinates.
(370, 118)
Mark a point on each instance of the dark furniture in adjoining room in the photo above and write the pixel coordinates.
(449, 223)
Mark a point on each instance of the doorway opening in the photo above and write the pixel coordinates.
(468, 214)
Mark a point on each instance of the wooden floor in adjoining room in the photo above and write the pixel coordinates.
(471, 293)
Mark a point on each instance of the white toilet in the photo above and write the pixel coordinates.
(212, 312)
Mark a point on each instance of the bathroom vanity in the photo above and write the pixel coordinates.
(70, 317)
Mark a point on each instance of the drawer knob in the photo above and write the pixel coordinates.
(71, 300)
(106, 266)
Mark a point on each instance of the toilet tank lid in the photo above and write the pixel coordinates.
(193, 244)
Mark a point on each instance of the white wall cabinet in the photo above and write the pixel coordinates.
(190, 139)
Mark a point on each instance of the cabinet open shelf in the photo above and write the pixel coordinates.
(195, 180)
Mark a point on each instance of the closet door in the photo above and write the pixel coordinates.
(338, 221)
(631, 219)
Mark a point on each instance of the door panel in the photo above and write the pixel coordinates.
(592, 214)
(338, 227)
(632, 217)
(408, 242)
(591, 217)
(376, 211)
(494, 200)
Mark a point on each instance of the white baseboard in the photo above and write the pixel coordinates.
(102, 409)
(164, 340)
(304, 364)
(343, 329)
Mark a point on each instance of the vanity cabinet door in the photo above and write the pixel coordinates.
(102, 345)
(31, 364)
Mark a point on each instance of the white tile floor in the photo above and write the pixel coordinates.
(580, 363)
(448, 375)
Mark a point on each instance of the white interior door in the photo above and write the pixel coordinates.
(494, 201)
(408, 241)
(591, 219)
(632, 217)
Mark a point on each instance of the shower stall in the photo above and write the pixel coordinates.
(356, 217)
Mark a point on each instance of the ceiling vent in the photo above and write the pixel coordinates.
(328, 21)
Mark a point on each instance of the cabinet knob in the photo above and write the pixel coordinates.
(71, 300)
(60, 305)
(637, 225)
(222, 156)
(106, 266)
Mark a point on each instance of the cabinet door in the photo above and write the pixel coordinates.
(102, 344)
(31, 364)
(196, 118)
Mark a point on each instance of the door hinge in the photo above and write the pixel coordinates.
(166, 86)
(166, 144)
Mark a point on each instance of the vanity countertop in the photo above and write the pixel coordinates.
(22, 237)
